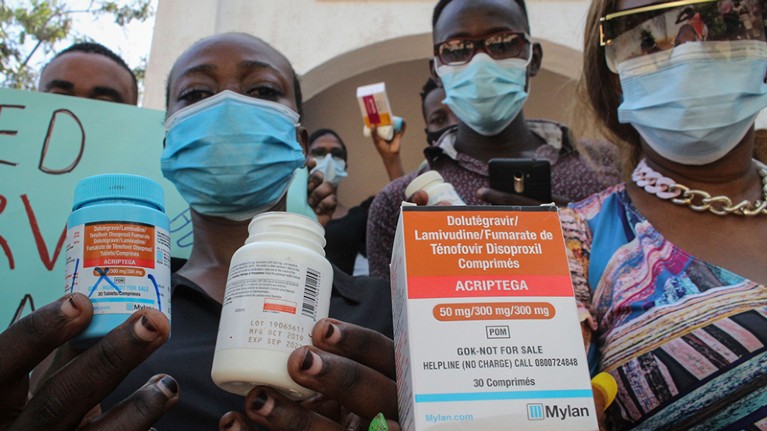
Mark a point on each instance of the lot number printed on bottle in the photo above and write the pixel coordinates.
(277, 303)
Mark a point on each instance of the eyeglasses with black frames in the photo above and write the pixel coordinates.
(499, 46)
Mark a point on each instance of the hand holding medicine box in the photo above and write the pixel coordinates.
(376, 111)
(486, 326)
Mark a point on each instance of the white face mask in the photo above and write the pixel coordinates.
(333, 169)
(694, 103)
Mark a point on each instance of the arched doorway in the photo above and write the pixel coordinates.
(402, 63)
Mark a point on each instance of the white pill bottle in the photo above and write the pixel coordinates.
(435, 186)
(278, 287)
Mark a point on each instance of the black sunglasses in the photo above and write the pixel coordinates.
(499, 46)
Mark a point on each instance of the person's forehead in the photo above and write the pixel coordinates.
(326, 140)
(471, 18)
(231, 50)
(433, 100)
(84, 64)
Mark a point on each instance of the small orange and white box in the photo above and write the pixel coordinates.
(486, 326)
(374, 105)
(376, 111)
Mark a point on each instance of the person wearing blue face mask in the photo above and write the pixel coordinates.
(233, 142)
(328, 151)
(671, 265)
(229, 138)
(484, 58)
(345, 232)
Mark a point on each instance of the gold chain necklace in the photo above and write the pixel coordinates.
(698, 200)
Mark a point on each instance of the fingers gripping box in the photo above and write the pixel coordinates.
(485, 322)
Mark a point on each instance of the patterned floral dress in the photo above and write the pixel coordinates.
(684, 339)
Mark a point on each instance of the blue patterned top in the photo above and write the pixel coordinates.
(684, 339)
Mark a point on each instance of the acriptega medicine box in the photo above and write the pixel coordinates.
(485, 322)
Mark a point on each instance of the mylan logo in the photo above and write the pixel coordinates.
(535, 412)
(539, 412)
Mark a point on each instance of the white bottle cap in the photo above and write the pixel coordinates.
(288, 227)
(422, 181)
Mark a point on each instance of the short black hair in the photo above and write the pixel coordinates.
(443, 3)
(97, 48)
(322, 132)
(296, 80)
(430, 85)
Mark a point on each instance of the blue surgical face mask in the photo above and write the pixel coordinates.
(231, 155)
(485, 94)
(694, 103)
(333, 169)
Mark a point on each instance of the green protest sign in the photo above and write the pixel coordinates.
(47, 144)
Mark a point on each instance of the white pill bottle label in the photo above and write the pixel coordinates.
(277, 289)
